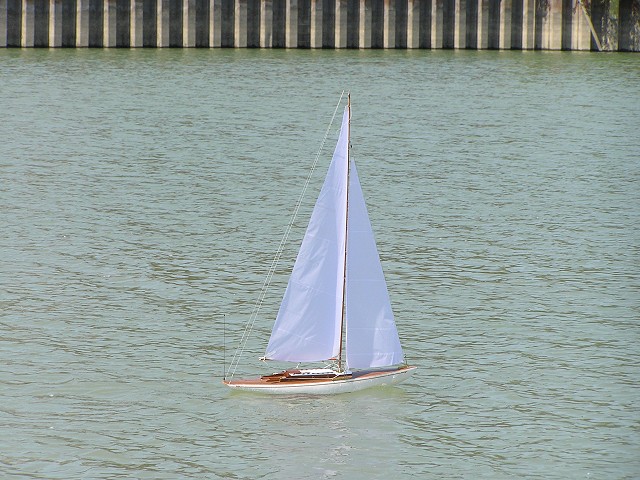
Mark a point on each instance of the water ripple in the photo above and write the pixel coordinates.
(144, 194)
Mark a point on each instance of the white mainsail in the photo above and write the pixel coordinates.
(307, 328)
(372, 338)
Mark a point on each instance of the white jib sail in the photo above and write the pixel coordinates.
(372, 338)
(307, 328)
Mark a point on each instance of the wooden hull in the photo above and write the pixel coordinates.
(324, 386)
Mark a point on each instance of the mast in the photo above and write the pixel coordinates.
(346, 235)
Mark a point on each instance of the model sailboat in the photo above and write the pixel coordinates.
(336, 306)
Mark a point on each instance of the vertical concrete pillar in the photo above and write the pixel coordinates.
(135, 23)
(201, 14)
(150, 23)
(471, 20)
(460, 24)
(483, 24)
(109, 24)
(215, 23)
(402, 14)
(460, 33)
(96, 23)
(189, 23)
(433, 22)
(505, 24)
(424, 36)
(597, 13)
(423, 12)
(448, 23)
(14, 23)
(555, 27)
(55, 23)
(316, 23)
(40, 23)
(27, 26)
(159, 24)
(580, 33)
(266, 24)
(627, 23)
(341, 24)
(377, 23)
(227, 22)
(328, 23)
(279, 26)
(552, 26)
(436, 23)
(566, 27)
(543, 30)
(82, 23)
(240, 28)
(540, 11)
(413, 23)
(364, 40)
(253, 23)
(353, 23)
(291, 31)
(3, 23)
(609, 38)
(516, 24)
(123, 23)
(389, 35)
(175, 10)
(162, 25)
(68, 23)
(493, 41)
(528, 24)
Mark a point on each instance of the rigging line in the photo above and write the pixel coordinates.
(235, 360)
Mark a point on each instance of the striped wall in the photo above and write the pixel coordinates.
(429, 24)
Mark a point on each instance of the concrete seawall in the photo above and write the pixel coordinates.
(427, 24)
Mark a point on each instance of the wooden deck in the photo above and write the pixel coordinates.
(291, 378)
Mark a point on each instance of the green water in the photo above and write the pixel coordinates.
(143, 195)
